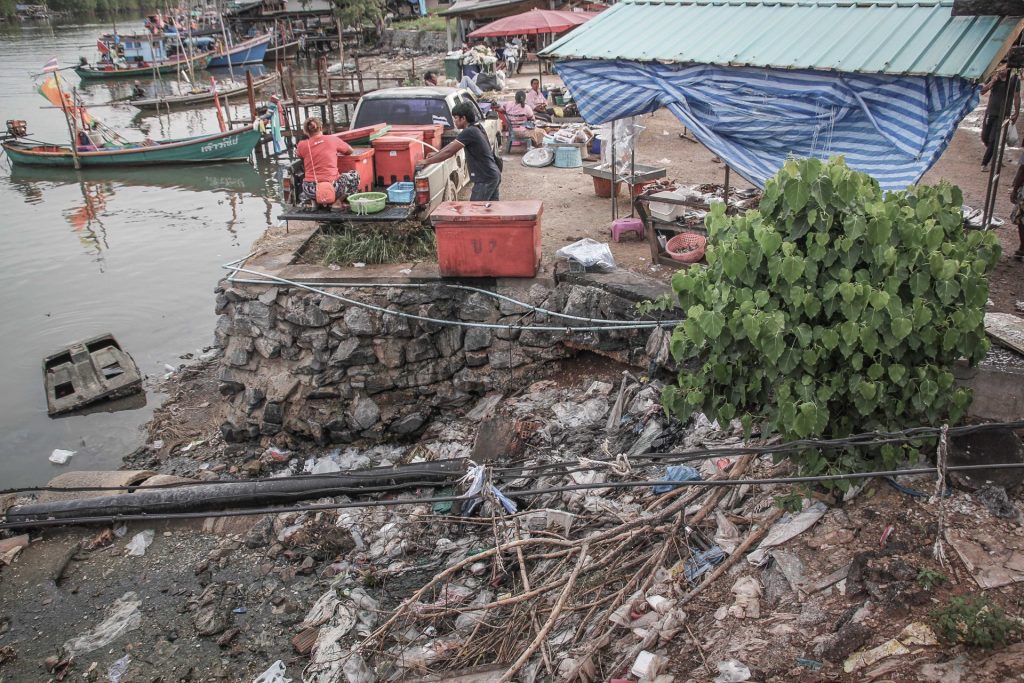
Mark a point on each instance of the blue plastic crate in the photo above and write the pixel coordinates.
(402, 193)
(568, 157)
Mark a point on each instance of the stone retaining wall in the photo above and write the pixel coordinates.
(420, 41)
(318, 368)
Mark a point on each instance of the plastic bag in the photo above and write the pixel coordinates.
(590, 254)
(274, 674)
(1012, 136)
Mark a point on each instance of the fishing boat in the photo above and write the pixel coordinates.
(231, 145)
(199, 95)
(251, 51)
(142, 55)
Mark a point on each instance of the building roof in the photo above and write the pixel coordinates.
(918, 37)
(489, 8)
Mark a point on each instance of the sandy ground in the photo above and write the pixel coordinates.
(572, 210)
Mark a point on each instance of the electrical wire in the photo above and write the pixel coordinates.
(528, 493)
(617, 326)
(864, 439)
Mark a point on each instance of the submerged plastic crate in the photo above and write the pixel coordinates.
(568, 157)
(401, 193)
(361, 161)
(395, 159)
(488, 239)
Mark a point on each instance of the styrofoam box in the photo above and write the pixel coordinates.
(663, 211)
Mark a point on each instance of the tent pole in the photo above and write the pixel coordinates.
(615, 195)
(725, 192)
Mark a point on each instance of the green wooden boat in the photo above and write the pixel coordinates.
(233, 145)
(109, 71)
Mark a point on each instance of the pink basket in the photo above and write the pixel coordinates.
(687, 247)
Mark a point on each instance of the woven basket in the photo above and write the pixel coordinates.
(686, 247)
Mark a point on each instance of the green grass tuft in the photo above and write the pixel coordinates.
(373, 245)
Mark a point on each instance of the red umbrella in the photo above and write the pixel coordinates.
(533, 22)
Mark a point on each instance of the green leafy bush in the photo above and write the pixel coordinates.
(833, 309)
(977, 622)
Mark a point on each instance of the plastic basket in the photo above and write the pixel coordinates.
(367, 202)
(401, 193)
(568, 157)
(687, 247)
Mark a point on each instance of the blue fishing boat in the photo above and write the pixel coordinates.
(251, 51)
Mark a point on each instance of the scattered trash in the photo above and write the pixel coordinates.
(121, 530)
(787, 527)
(140, 541)
(122, 616)
(10, 547)
(192, 445)
(576, 415)
(727, 536)
(676, 473)
(748, 599)
(701, 562)
(117, 669)
(239, 610)
(274, 674)
(87, 372)
(812, 664)
(997, 502)
(590, 254)
(60, 456)
(886, 532)
(993, 562)
(915, 633)
(647, 665)
(732, 671)
(475, 478)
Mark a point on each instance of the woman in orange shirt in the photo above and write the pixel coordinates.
(319, 154)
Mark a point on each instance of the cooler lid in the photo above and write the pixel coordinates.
(357, 133)
(392, 142)
(358, 153)
(487, 212)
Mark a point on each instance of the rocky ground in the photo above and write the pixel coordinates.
(587, 580)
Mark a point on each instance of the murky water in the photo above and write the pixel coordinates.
(132, 252)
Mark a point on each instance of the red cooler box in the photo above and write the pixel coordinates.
(488, 239)
(430, 134)
(395, 159)
(360, 160)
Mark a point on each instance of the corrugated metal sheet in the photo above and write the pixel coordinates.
(916, 38)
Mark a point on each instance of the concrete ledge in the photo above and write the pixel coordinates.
(998, 386)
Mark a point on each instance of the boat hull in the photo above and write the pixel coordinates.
(197, 99)
(87, 74)
(234, 145)
(250, 52)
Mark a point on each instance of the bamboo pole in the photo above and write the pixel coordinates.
(70, 121)
(251, 92)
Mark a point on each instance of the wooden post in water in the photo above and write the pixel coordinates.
(295, 103)
(359, 75)
(251, 92)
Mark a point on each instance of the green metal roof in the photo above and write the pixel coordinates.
(894, 37)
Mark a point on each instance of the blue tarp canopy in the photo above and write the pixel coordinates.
(892, 127)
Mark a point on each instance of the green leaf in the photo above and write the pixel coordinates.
(796, 193)
(792, 268)
(901, 327)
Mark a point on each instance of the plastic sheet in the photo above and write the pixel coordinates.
(589, 254)
(676, 473)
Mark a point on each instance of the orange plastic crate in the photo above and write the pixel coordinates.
(395, 159)
(360, 160)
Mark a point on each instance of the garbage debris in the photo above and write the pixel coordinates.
(61, 456)
(10, 547)
(676, 473)
(727, 536)
(997, 502)
(915, 633)
(275, 673)
(87, 372)
(589, 254)
(140, 541)
(117, 669)
(787, 527)
(732, 671)
(647, 665)
(747, 604)
(993, 562)
(122, 616)
(701, 562)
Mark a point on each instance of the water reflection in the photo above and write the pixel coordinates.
(99, 187)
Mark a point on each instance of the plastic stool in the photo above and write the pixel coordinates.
(624, 225)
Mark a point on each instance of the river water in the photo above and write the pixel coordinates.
(136, 253)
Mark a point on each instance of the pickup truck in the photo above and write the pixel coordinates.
(418, 106)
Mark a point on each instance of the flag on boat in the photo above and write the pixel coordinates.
(102, 47)
(50, 65)
(50, 89)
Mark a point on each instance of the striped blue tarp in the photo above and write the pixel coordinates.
(891, 127)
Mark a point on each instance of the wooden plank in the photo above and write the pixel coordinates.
(988, 8)
(1006, 329)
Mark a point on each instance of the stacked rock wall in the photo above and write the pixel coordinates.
(319, 368)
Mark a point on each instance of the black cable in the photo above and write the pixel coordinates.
(528, 493)
(854, 440)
